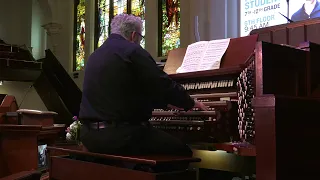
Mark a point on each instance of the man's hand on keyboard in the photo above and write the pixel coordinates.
(200, 105)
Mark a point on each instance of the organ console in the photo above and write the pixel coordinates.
(248, 81)
(220, 90)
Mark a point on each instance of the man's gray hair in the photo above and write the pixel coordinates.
(125, 24)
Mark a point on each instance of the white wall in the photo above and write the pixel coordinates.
(15, 21)
(18, 24)
(62, 13)
(20, 89)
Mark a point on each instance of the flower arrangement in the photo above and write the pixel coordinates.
(73, 131)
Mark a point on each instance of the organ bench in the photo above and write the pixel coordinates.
(82, 165)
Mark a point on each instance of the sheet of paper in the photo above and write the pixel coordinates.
(213, 55)
(192, 57)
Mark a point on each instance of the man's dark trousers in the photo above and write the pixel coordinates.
(132, 140)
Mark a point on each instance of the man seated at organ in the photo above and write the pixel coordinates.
(122, 85)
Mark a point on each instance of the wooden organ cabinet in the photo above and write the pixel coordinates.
(262, 112)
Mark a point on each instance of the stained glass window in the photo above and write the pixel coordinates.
(170, 31)
(136, 7)
(119, 7)
(103, 20)
(80, 35)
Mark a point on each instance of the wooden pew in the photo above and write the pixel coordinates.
(24, 175)
(21, 132)
(7, 104)
(83, 165)
(19, 146)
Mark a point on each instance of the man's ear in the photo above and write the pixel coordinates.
(132, 36)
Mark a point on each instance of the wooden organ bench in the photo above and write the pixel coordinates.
(82, 165)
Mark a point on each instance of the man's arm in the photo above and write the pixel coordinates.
(159, 86)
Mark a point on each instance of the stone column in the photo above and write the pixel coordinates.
(217, 19)
(53, 31)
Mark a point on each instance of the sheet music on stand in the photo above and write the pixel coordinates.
(204, 55)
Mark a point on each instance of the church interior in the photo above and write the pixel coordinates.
(263, 99)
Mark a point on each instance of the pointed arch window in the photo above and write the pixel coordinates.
(79, 35)
(107, 9)
(169, 31)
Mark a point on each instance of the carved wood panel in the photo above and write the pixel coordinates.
(292, 33)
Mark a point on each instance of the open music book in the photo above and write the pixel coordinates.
(204, 55)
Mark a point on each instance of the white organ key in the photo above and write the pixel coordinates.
(187, 86)
(207, 85)
(197, 86)
(225, 99)
(219, 83)
(224, 83)
(214, 84)
(201, 85)
(230, 83)
(193, 86)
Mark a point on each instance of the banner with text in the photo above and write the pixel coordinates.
(255, 14)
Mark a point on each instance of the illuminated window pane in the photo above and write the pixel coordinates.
(138, 9)
(80, 35)
(119, 7)
(170, 35)
(103, 20)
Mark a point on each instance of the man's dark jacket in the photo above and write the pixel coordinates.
(301, 14)
(123, 83)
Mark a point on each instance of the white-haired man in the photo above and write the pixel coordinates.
(122, 85)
